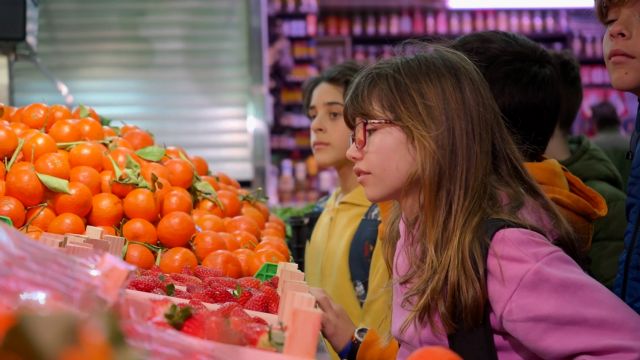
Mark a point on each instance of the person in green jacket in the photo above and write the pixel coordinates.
(610, 139)
(589, 163)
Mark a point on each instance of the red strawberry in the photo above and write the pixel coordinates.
(154, 271)
(227, 282)
(214, 296)
(158, 291)
(158, 309)
(181, 294)
(204, 273)
(259, 320)
(185, 280)
(197, 306)
(145, 283)
(195, 325)
(249, 282)
(273, 299)
(226, 309)
(187, 270)
(258, 302)
(273, 282)
(242, 295)
(252, 332)
(192, 289)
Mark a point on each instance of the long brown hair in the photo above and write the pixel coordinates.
(468, 170)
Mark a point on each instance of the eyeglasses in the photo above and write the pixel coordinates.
(359, 133)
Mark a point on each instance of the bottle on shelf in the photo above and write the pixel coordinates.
(442, 27)
(430, 23)
(356, 25)
(479, 23)
(454, 23)
(394, 24)
(503, 21)
(383, 25)
(467, 22)
(418, 22)
(406, 25)
(537, 22)
(371, 25)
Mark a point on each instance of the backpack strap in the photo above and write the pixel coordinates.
(361, 251)
(477, 342)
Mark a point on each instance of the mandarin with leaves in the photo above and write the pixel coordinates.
(56, 113)
(210, 222)
(140, 256)
(37, 145)
(106, 210)
(200, 164)
(180, 172)
(269, 254)
(40, 216)
(108, 230)
(176, 259)
(65, 131)
(13, 209)
(67, 223)
(54, 164)
(245, 239)
(140, 230)
(252, 212)
(153, 168)
(90, 129)
(138, 138)
(85, 111)
(274, 243)
(177, 199)
(175, 229)
(173, 152)
(242, 223)
(224, 261)
(273, 231)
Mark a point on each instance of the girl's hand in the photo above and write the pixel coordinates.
(337, 327)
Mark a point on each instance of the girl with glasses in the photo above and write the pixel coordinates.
(428, 135)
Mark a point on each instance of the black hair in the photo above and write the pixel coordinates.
(605, 116)
(524, 83)
(571, 85)
(338, 75)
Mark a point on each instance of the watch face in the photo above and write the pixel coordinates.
(360, 333)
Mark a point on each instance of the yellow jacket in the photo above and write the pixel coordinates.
(327, 262)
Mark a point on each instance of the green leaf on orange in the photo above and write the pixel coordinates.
(54, 184)
(151, 153)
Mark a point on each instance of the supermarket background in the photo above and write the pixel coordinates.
(223, 78)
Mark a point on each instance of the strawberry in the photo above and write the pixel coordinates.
(192, 289)
(226, 309)
(187, 270)
(158, 291)
(258, 302)
(181, 294)
(273, 282)
(242, 295)
(214, 296)
(197, 306)
(273, 299)
(145, 283)
(227, 282)
(185, 280)
(249, 282)
(259, 320)
(252, 332)
(204, 273)
(195, 325)
(154, 271)
(158, 309)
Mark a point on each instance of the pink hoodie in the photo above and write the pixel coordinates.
(543, 305)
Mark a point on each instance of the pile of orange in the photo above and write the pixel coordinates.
(61, 170)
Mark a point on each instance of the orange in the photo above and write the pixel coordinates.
(65, 131)
(140, 203)
(154, 168)
(227, 180)
(86, 175)
(138, 138)
(212, 181)
(140, 256)
(119, 155)
(272, 231)
(35, 115)
(176, 259)
(19, 128)
(270, 255)
(209, 207)
(126, 128)
(140, 230)
(275, 244)
(173, 152)
(87, 154)
(232, 242)
(263, 208)
(274, 218)
(200, 164)
(56, 113)
(3, 188)
(231, 205)
(196, 215)
(180, 172)
(13, 209)
(175, 229)
(245, 239)
(40, 216)
(160, 189)
(90, 129)
(3, 170)
(206, 242)
(67, 223)
(108, 131)
(8, 142)
(108, 230)
(177, 199)
(33, 232)
(54, 164)
(255, 214)
(210, 222)
(78, 201)
(76, 114)
(249, 261)
(37, 145)
(224, 261)
(23, 184)
(243, 223)
(106, 210)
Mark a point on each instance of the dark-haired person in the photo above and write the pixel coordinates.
(587, 161)
(523, 80)
(609, 138)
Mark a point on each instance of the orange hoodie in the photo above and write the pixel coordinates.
(579, 204)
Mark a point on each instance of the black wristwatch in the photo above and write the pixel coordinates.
(356, 340)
